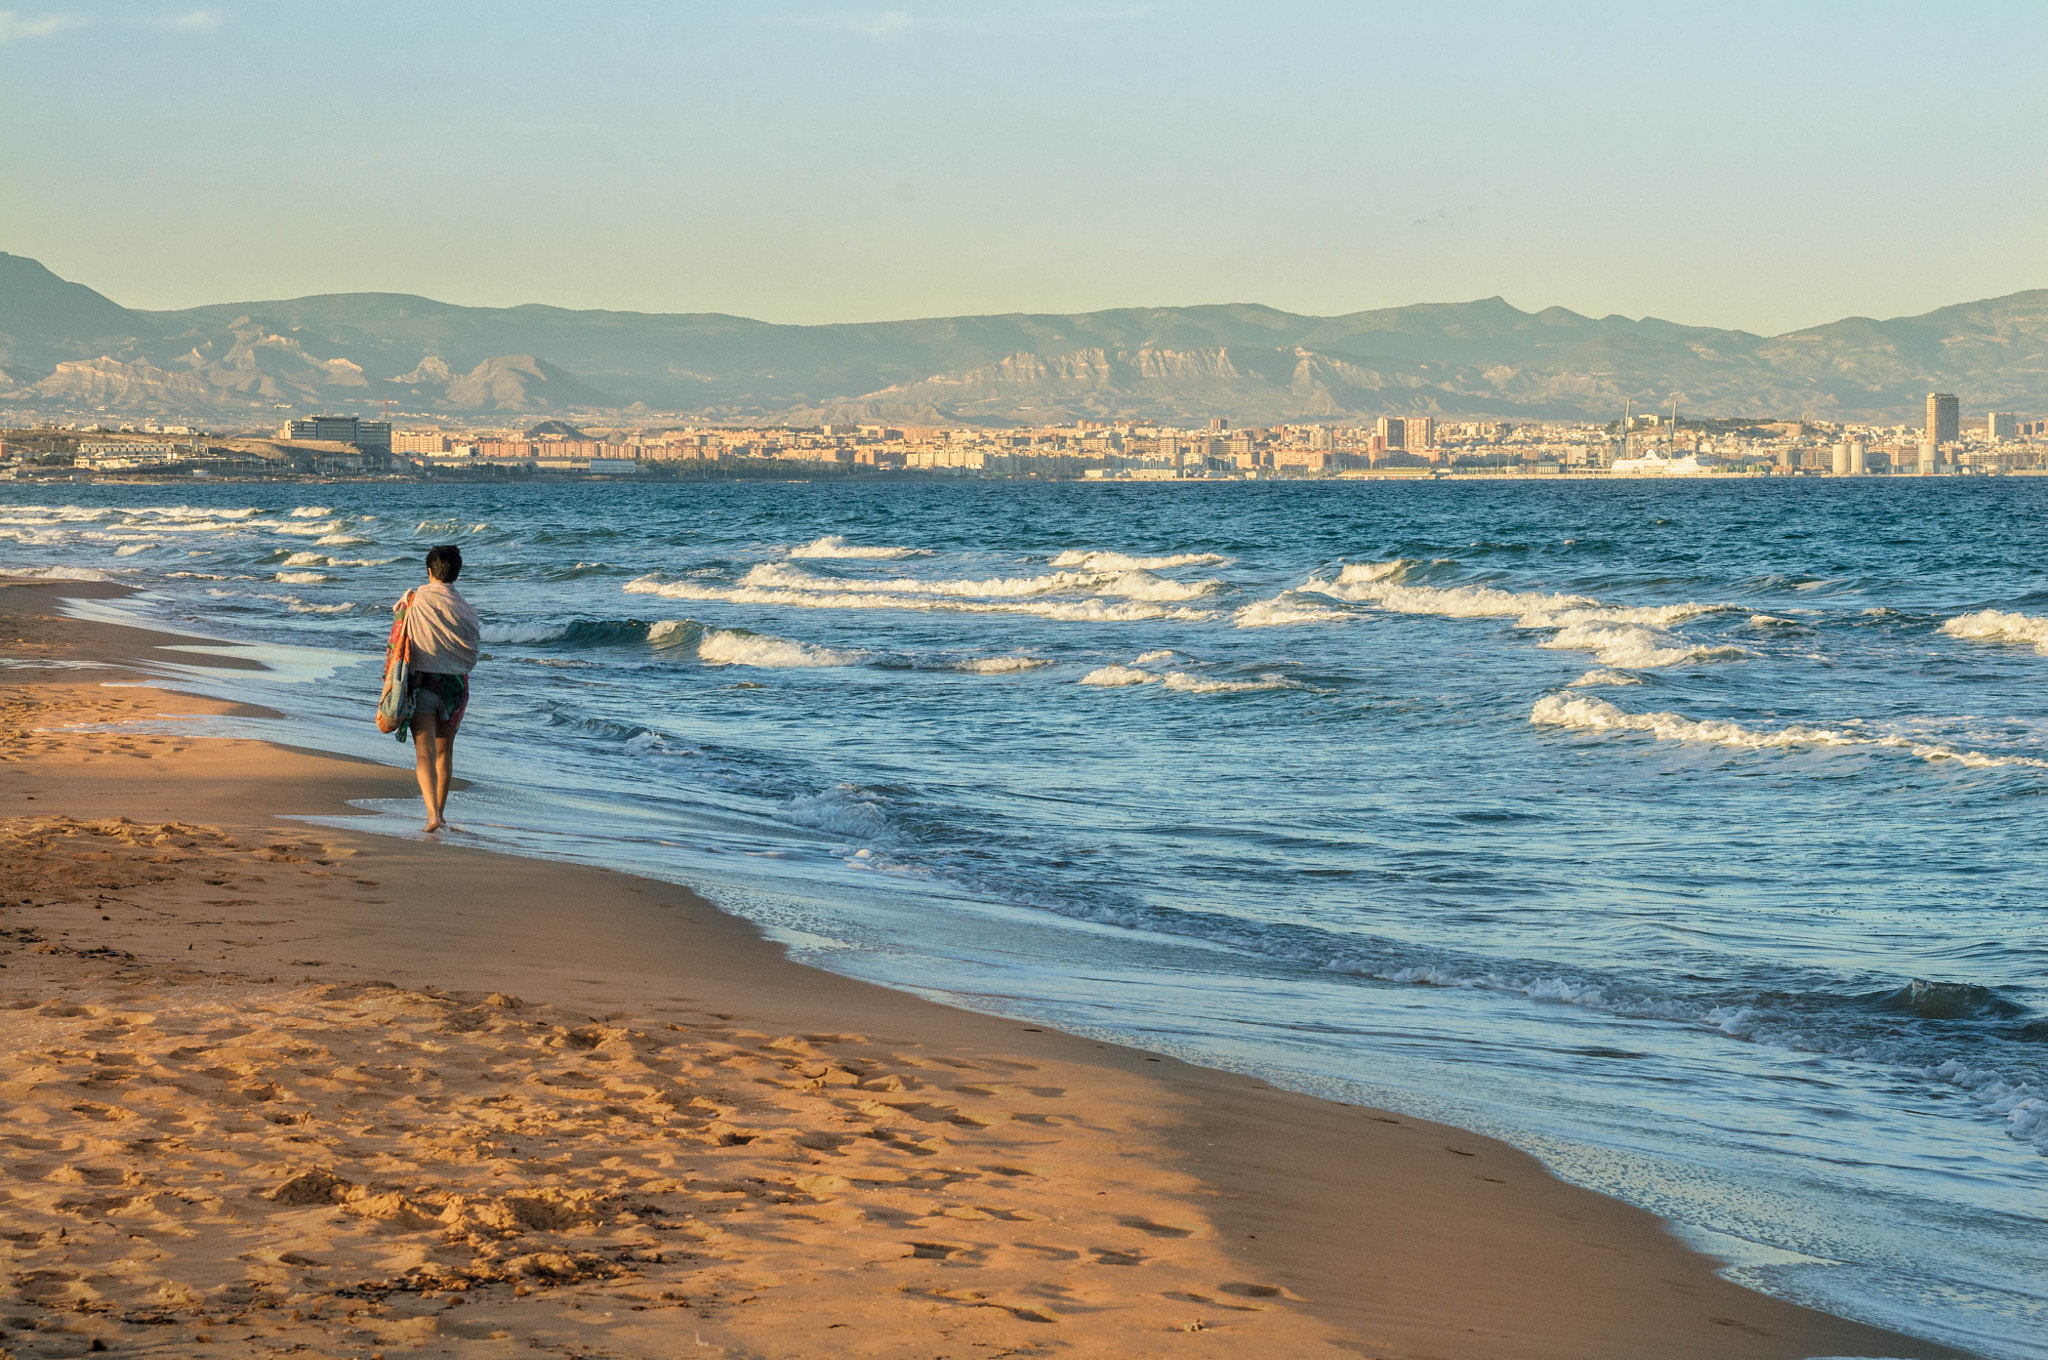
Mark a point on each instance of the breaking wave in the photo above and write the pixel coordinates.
(1604, 677)
(846, 810)
(833, 546)
(739, 647)
(1597, 715)
(1281, 611)
(1183, 682)
(1135, 584)
(1633, 646)
(1632, 636)
(1000, 665)
(859, 595)
(1116, 561)
(1110, 677)
(731, 647)
(1993, 625)
(63, 573)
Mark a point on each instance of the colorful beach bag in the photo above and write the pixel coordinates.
(394, 706)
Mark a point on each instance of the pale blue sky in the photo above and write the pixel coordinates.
(1763, 166)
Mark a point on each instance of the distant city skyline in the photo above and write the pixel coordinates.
(1760, 168)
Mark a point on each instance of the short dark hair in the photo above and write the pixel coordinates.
(444, 563)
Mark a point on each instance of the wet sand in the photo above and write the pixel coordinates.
(270, 1087)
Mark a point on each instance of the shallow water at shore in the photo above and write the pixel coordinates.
(1684, 835)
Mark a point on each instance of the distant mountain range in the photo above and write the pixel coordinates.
(66, 348)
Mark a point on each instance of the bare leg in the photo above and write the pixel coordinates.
(444, 770)
(428, 764)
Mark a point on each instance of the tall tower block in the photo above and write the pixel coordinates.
(1944, 418)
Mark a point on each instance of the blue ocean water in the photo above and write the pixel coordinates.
(1688, 835)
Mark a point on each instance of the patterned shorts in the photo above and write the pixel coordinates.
(439, 696)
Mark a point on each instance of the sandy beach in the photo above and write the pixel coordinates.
(274, 1088)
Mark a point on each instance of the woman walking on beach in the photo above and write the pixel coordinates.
(442, 633)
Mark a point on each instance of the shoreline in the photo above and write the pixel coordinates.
(1319, 1228)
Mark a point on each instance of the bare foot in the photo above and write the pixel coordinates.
(434, 826)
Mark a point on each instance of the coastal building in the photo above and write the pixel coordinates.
(371, 436)
(127, 454)
(1944, 418)
(2002, 425)
(1406, 434)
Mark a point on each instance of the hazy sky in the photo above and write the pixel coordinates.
(1762, 166)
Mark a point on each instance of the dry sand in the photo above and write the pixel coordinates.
(268, 1088)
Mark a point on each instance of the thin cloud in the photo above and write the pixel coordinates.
(193, 21)
(14, 24)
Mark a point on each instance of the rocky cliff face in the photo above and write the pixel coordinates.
(517, 382)
(64, 347)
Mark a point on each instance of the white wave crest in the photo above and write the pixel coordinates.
(776, 576)
(510, 633)
(1182, 682)
(1163, 654)
(1197, 684)
(312, 512)
(1281, 611)
(1137, 584)
(833, 546)
(1597, 715)
(1632, 645)
(130, 549)
(299, 606)
(299, 578)
(1072, 611)
(305, 559)
(1380, 583)
(1000, 665)
(1364, 573)
(1994, 625)
(1113, 677)
(1604, 677)
(311, 530)
(1116, 561)
(63, 573)
(1455, 602)
(1633, 636)
(339, 541)
(728, 647)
